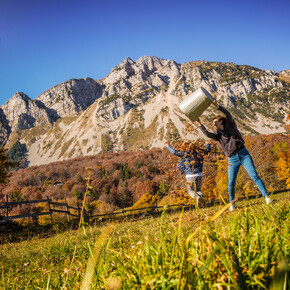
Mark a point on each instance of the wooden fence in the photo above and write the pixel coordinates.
(7, 206)
(122, 213)
(51, 204)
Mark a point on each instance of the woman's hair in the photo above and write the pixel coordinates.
(220, 117)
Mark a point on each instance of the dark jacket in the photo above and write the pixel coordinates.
(230, 138)
(189, 162)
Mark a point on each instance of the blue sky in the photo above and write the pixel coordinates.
(46, 42)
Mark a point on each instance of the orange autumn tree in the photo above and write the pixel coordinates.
(221, 178)
(147, 200)
(281, 153)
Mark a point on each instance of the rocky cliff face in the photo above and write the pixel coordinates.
(284, 75)
(135, 106)
(22, 113)
(4, 128)
(71, 97)
(136, 82)
(66, 99)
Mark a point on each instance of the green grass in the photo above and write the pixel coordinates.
(200, 249)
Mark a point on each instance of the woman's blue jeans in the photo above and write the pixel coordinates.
(243, 158)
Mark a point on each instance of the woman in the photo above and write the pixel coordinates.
(232, 144)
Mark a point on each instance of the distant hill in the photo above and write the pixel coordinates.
(135, 107)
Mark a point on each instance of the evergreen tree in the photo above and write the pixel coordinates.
(79, 178)
(107, 189)
(94, 193)
(16, 154)
(5, 166)
(125, 173)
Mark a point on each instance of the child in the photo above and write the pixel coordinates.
(190, 163)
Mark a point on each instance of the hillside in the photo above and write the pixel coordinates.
(135, 107)
(200, 249)
(143, 178)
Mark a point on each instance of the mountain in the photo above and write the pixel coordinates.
(135, 107)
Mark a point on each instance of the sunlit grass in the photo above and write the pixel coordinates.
(193, 250)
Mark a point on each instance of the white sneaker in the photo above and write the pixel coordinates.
(268, 199)
(199, 194)
(199, 199)
(232, 207)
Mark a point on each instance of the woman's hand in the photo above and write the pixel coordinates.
(216, 103)
(198, 121)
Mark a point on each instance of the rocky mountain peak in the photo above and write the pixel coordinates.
(284, 75)
(151, 62)
(70, 97)
(126, 65)
(22, 113)
(18, 102)
(126, 61)
(135, 106)
(65, 99)
(18, 97)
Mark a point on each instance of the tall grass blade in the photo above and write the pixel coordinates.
(91, 265)
(281, 277)
(241, 277)
(48, 281)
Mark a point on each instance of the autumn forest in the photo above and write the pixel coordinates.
(143, 178)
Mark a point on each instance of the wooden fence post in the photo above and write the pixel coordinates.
(7, 210)
(50, 212)
(67, 209)
(79, 210)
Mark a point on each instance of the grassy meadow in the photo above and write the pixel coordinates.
(208, 248)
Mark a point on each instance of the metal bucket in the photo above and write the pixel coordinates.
(196, 103)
